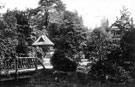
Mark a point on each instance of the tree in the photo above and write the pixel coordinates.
(49, 11)
(98, 42)
(8, 38)
(116, 65)
(124, 23)
(24, 32)
(69, 40)
(16, 30)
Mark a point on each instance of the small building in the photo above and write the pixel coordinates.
(116, 34)
(47, 45)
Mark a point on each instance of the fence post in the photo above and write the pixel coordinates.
(16, 67)
(35, 63)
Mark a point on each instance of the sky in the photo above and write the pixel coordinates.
(92, 11)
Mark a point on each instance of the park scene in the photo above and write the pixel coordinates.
(49, 46)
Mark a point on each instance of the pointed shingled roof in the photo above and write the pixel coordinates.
(43, 40)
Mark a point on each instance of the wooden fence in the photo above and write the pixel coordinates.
(20, 63)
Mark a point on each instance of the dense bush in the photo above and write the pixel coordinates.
(62, 62)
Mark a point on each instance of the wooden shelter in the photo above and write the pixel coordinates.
(47, 45)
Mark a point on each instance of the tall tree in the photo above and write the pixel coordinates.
(49, 11)
(17, 28)
(116, 65)
(69, 39)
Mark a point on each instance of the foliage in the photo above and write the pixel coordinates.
(65, 28)
(98, 45)
(111, 61)
(48, 11)
(69, 37)
(62, 62)
(128, 45)
(14, 35)
(116, 65)
(8, 39)
(19, 29)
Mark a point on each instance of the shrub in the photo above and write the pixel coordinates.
(62, 62)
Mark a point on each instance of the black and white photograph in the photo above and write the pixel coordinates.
(67, 43)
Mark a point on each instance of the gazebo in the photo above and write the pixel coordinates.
(47, 46)
(45, 43)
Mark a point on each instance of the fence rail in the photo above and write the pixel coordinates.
(20, 63)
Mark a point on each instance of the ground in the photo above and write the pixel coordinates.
(47, 78)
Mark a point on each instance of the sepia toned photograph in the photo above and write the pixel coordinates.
(67, 43)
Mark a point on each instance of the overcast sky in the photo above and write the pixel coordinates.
(92, 11)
